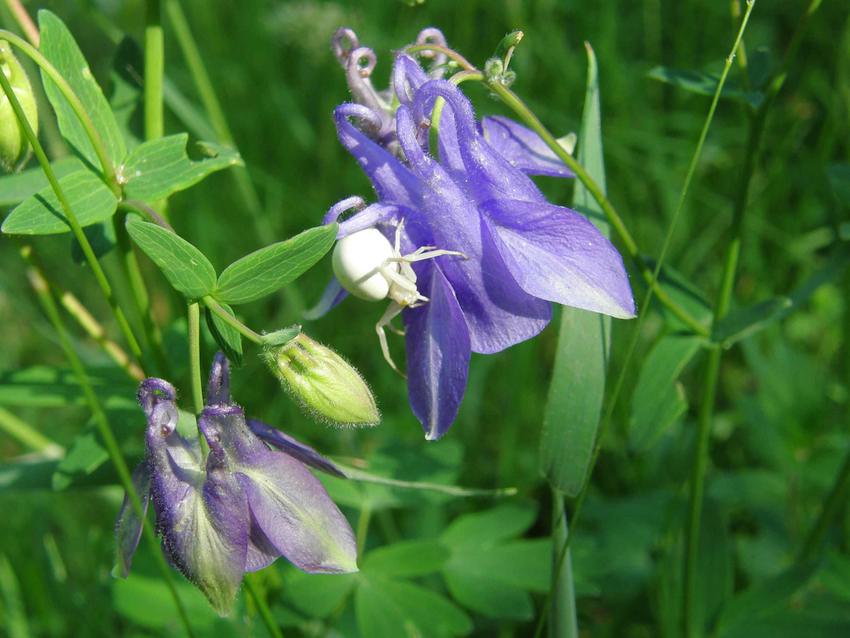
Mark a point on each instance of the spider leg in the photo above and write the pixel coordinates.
(429, 254)
(392, 311)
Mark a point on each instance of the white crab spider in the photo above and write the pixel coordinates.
(369, 267)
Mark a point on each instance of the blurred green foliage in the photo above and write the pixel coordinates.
(781, 427)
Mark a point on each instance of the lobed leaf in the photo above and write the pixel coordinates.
(84, 456)
(156, 169)
(185, 267)
(42, 214)
(406, 559)
(60, 48)
(574, 403)
(266, 270)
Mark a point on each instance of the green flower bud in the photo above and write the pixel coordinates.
(14, 146)
(323, 382)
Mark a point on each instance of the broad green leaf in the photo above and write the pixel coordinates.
(148, 603)
(226, 336)
(16, 187)
(704, 84)
(266, 270)
(388, 609)
(491, 526)
(58, 46)
(46, 387)
(185, 267)
(27, 473)
(42, 214)
(761, 600)
(742, 322)
(658, 400)
(406, 559)
(574, 403)
(317, 595)
(156, 169)
(83, 457)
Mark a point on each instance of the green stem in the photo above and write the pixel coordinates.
(562, 613)
(139, 292)
(45, 296)
(262, 606)
(452, 490)
(363, 529)
(212, 107)
(154, 68)
(244, 330)
(77, 230)
(195, 356)
(27, 435)
(77, 106)
(526, 115)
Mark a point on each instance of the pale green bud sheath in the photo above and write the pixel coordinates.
(323, 382)
(14, 147)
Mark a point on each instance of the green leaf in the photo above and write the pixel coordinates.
(149, 603)
(742, 322)
(715, 573)
(83, 457)
(574, 402)
(389, 609)
(282, 336)
(42, 214)
(58, 46)
(226, 336)
(839, 181)
(406, 559)
(185, 267)
(46, 387)
(156, 169)
(266, 270)
(685, 294)
(658, 400)
(704, 84)
(491, 572)
(317, 595)
(762, 599)
(16, 187)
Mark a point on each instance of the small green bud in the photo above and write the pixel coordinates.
(323, 382)
(14, 146)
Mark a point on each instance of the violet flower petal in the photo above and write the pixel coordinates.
(293, 447)
(333, 295)
(128, 527)
(438, 352)
(557, 254)
(391, 179)
(497, 311)
(522, 147)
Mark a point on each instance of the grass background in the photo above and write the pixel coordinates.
(781, 426)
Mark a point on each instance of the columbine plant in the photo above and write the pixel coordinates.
(237, 507)
(465, 247)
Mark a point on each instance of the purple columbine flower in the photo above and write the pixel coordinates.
(472, 252)
(240, 508)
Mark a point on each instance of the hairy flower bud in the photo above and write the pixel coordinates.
(14, 147)
(324, 382)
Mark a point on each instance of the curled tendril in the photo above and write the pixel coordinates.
(362, 60)
(438, 59)
(344, 41)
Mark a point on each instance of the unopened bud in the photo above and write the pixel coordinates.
(323, 382)
(14, 146)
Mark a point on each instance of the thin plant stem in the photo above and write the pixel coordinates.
(363, 529)
(139, 293)
(262, 606)
(45, 297)
(44, 64)
(215, 307)
(194, 318)
(562, 612)
(722, 304)
(27, 435)
(70, 216)
(19, 12)
(154, 68)
(631, 348)
(452, 490)
(218, 120)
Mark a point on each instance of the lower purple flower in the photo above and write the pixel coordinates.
(240, 508)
